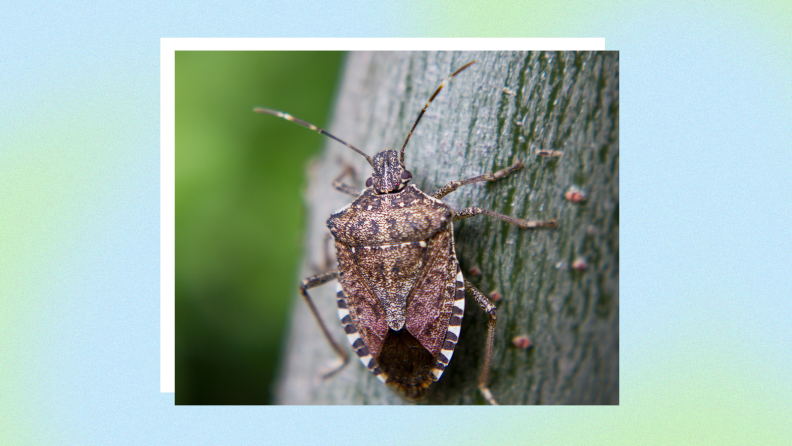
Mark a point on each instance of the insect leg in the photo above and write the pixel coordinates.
(488, 307)
(312, 282)
(473, 211)
(327, 260)
(348, 171)
(452, 186)
(326, 250)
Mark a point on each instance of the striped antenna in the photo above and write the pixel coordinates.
(291, 118)
(401, 156)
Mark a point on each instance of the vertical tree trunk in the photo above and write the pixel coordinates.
(504, 109)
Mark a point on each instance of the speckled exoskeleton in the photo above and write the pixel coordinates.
(401, 293)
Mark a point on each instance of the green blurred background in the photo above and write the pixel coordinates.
(240, 213)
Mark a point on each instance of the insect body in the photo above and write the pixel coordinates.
(401, 293)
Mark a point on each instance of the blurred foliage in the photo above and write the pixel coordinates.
(240, 213)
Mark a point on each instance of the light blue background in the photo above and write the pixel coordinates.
(706, 131)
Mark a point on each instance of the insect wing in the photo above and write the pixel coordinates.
(430, 305)
(365, 310)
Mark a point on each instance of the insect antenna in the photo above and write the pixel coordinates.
(291, 118)
(443, 84)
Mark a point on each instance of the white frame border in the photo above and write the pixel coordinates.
(168, 48)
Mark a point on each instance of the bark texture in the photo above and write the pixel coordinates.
(503, 109)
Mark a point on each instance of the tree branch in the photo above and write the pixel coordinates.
(506, 108)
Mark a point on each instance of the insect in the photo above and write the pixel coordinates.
(401, 293)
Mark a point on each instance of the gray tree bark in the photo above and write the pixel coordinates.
(506, 108)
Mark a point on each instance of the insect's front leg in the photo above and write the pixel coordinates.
(454, 185)
(349, 171)
(487, 306)
(312, 282)
(327, 259)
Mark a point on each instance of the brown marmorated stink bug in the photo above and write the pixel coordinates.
(401, 293)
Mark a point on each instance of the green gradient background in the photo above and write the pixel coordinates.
(240, 213)
(705, 295)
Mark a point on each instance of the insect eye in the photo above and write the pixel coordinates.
(406, 175)
(370, 182)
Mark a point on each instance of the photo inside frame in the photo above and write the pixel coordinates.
(254, 192)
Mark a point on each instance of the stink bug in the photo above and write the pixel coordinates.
(401, 292)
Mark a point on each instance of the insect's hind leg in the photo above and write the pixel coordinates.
(312, 282)
(454, 185)
(349, 171)
(490, 309)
